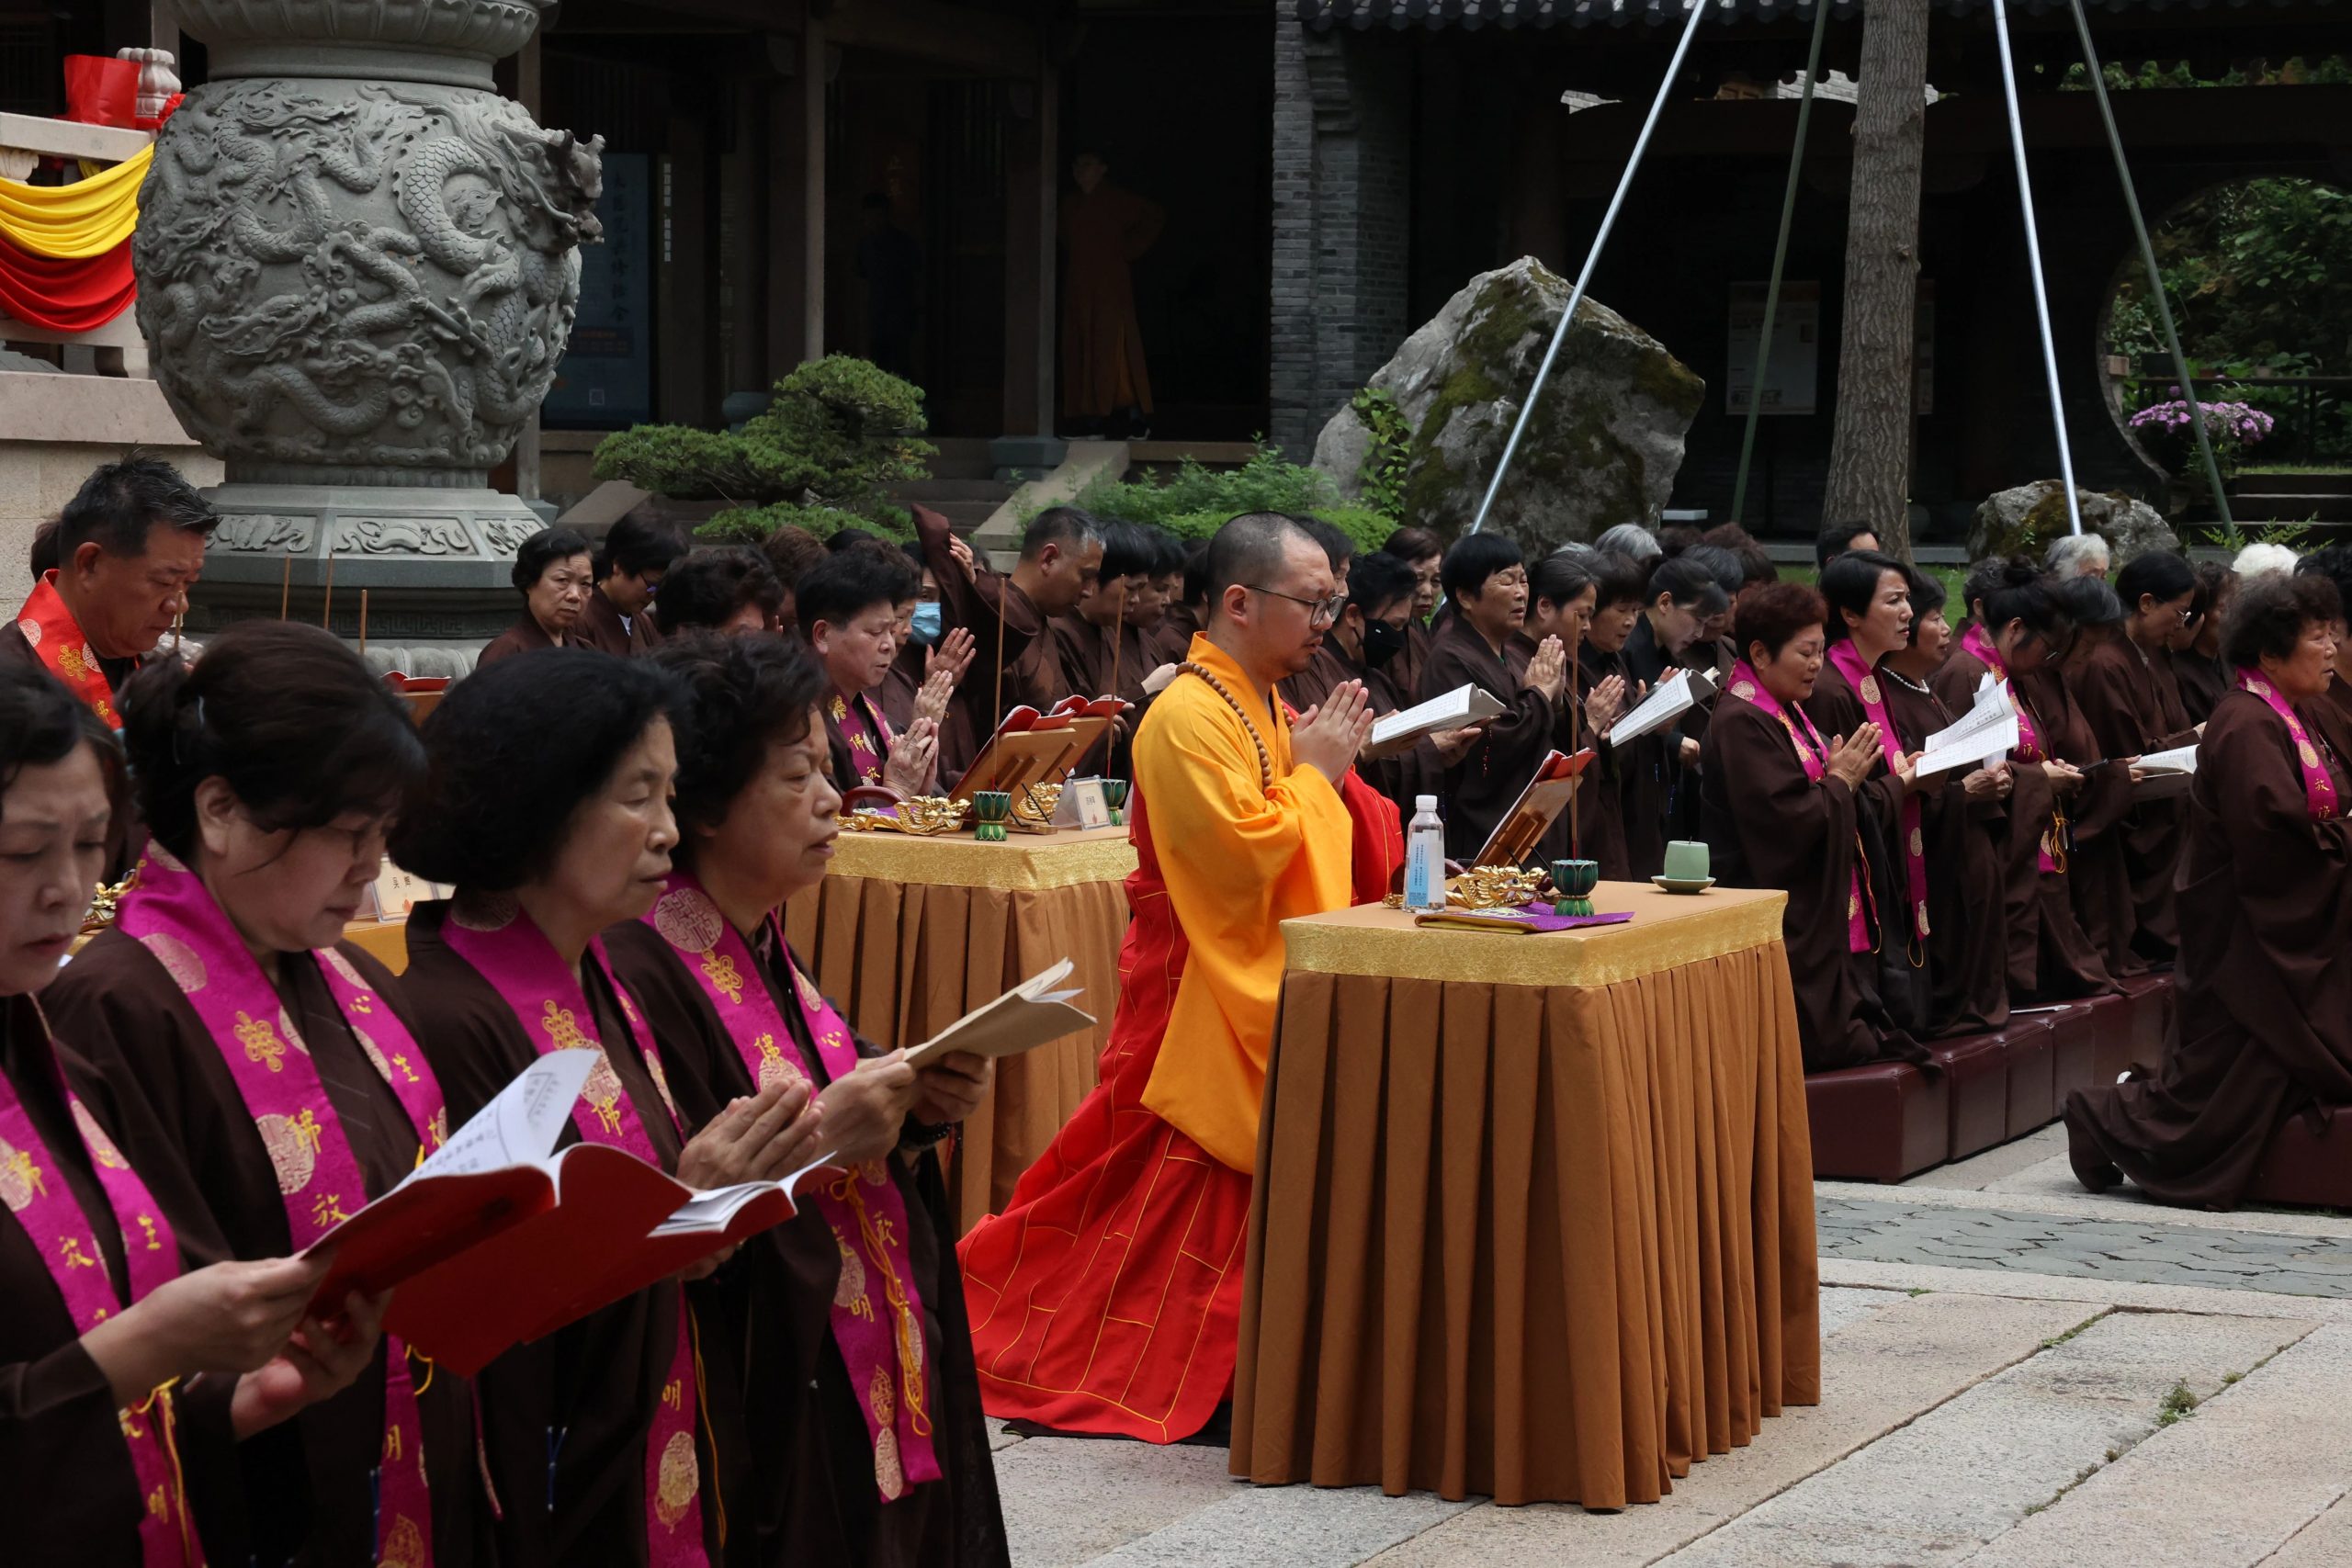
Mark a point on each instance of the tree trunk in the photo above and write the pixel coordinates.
(1869, 453)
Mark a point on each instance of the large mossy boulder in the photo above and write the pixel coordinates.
(1601, 449)
(2025, 520)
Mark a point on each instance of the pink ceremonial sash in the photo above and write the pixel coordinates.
(2029, 739)
(2318, 789)
(865, 732)
(174, 916)
(1813, 752)
(1848, 661)
(506, 947)
(864, 1207)
(36, 1193)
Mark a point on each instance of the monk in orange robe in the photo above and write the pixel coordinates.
(1107, 1297)
(1107, 230)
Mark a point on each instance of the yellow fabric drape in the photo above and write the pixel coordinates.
(77, 221)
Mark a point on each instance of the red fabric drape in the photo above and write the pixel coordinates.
(65, 296)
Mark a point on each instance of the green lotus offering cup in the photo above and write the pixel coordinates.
(1114, 797)
(1572, 884)
(992, 810)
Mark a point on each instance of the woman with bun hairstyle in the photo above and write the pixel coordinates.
(546, 803)
(125, 1384)
(263, 1072)
(2018, 627)
(867, 1433)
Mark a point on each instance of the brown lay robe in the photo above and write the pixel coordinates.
(1501, 763)
(2132, 705)
(1092, 670)
(1905, 986)
(2200, 682)
(67, 1489)
(1769, 825)
(601, 625)
(185, 1128)
(2264, 997)
(816, 1500)
(1599, 827)
(1650, 770)
(526, 636)
(587, 1392)
(994, 611)
(1968, 935)
(2097, 878)
(2050, 958)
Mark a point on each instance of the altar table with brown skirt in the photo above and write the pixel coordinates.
(908, 934)
(1533, 1216)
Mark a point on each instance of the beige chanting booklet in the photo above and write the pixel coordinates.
(1031, 1014)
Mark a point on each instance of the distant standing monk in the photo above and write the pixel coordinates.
(1107, 230)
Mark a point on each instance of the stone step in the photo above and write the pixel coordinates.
(1887, 1358)
(2280, 507)
(1970, 1471)
(2253, 1476)
(2291, 484)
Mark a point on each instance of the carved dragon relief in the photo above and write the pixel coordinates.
(371, 274)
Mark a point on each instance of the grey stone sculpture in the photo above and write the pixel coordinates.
(358, 268)
(1603, 449)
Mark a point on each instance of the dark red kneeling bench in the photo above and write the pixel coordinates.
(2301, 1167)
(1880, 1123)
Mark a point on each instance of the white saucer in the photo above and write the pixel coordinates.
(1673, 886)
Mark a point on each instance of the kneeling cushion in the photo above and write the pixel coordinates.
(2031, 1049)
(2307, 1167)
(1976, 1069)
(1879, 1122)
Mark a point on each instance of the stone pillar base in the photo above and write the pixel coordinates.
(435, 563)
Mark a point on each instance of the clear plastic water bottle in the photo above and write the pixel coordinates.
(1425, 856)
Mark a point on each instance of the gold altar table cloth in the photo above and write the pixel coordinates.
(908, 934)
(1534, 1212)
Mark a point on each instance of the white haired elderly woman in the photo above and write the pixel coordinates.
(2262, 560)
(1633, 541)
(2079, 555)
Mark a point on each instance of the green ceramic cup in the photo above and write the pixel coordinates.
(1686, 861)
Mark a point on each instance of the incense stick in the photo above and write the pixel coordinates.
(285, 587)
(363, 622)
(1575, 735)
(326, 614)
(996, 710)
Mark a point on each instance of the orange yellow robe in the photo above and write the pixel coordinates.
(1106, 1297)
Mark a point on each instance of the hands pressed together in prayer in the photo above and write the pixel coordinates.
(1853, 758)
(1331, 735)
(764, 1137)
(913, 763)
(1547, 672)
(943, 670)
(1603, 704)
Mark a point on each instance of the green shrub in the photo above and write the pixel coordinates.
(839, 432)
(1196, 501)
(1381, 476)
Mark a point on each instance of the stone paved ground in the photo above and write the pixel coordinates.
(2016, 1374)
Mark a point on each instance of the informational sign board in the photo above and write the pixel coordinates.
(1793, 375)
(606, 382)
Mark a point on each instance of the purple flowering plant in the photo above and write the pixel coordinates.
(2231, 427)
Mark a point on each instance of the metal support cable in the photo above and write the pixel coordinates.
(2033, 261)
(1592, 258)
(2148, 259)
(1779, 260)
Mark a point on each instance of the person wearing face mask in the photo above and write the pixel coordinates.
(846, 1479)
(1963, 825)
(223, 1011)
(1486, 583)
(556, 572)
(1425, 553)
(630, 563)
(930, 662)
(127, 550)
(130, 1388)
(1783, 807)
(2019, 626)
(849, 616)
(2198, 672)
(2265, 1028)
(545, 802)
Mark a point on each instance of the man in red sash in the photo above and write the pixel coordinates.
(1107, 1297)
(130, 546)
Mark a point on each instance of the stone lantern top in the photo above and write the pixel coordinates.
(451, 42)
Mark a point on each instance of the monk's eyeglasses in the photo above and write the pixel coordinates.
(1319, 612)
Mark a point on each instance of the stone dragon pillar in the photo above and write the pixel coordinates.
(358, 265)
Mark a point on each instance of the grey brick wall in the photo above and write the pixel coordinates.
(1342, 129)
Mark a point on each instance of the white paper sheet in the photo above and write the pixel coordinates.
(1988, 728)
(1466, 704)
(521, 1125)
(1668, 701)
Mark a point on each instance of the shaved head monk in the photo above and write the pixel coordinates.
(1106, 1298)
